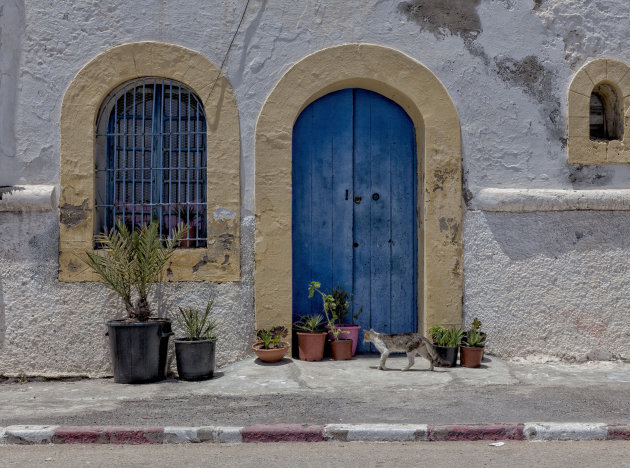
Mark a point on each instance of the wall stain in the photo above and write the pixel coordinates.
(460, 18)
(9, 189)
(226, 240)
(201, 263)
(585, 176)
(536, 80)
(441, 176)
(454, 17)
(451, 227)
(73, 215)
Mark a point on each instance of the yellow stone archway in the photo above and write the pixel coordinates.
(220, 261)
(417, 90)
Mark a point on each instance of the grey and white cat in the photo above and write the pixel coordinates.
(414, 344)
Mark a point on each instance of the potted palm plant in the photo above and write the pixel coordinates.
(270, 347)
(472, 346)
(311, 338)
(341, 348)
(130, 262)
(195, 351)
(446, 341)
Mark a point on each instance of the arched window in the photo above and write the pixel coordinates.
(605, 117)
(151, 159)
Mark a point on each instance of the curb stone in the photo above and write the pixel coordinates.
(14, 435)
(566, 431)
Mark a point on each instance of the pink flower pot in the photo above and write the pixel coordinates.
(353, 335)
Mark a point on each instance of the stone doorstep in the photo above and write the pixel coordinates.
(24, 435)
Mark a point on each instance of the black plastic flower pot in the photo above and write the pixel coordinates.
(448, 353)
(195, 359)
(138, 350)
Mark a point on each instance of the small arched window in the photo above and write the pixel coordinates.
(151, 159)
(605, 116)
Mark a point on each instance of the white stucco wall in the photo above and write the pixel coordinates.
(506, 64)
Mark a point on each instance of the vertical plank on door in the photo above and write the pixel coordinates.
(342, 144)
(380, 217)
(404, 316)
(301, 207)
(361, 209)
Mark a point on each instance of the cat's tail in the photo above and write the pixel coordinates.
(434, 355)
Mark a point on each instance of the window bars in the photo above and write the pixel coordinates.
(151, 138)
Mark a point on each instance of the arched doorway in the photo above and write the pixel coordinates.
(420, 93)
(354, 199)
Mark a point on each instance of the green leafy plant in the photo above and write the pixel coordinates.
(271, 338)
(437, 333)
(343, 299)
(329, 306)
(133, 261)
(342, 302)
(442, 336)
(198, 325)
(454, 336)
(474, 338)
(310, 323)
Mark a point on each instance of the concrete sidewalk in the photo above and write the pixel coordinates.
(331, 393)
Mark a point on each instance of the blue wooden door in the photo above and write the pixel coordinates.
(354, 207)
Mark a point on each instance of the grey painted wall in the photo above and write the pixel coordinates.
(507, 65)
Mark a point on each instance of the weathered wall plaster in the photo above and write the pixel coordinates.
(11, 34)
(552, 283)
(507, 66)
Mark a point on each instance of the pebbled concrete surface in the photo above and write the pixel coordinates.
(328, 392)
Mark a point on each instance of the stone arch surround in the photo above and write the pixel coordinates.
(421, 94)
(220, 261)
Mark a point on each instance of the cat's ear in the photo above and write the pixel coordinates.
(371, 330)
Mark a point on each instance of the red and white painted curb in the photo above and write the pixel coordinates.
(311, 433)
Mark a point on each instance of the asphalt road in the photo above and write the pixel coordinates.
(351, 454)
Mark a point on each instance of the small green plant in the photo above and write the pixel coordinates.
(474, 338)
(342, 301)
(271, 338)
(310, 323)
(198, 325)
(437, 333)
(450, 337)
(330, 307)
(454, 336)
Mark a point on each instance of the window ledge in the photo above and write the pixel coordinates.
(530, 200)
(27, 198)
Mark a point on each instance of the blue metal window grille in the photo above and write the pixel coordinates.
(152, 135)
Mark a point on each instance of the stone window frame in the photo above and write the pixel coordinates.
(427, 102)
(581, 148)
(220, 260)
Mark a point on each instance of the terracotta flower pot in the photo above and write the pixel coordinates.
(353, 334)
(341, 350)
(311, 346)
(470, 357)
(270, 355)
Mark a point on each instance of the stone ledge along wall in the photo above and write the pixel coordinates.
(506, 64)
